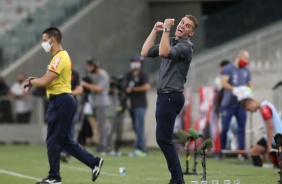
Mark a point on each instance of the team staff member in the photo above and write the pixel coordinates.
(272, 125)
(234, 75)
(61, 109)
(176, 54)
(137, 86)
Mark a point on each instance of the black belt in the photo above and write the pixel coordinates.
(52, 96)
(160, 91)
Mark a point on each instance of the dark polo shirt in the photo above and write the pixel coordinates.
(174, 69)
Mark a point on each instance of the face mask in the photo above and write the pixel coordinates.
(135, 66)
(46, 46)
(242, 63)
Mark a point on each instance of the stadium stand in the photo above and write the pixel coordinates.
(21, 23)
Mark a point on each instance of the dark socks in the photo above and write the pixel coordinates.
(257, 161)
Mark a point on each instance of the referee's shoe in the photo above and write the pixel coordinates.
(97, 169)
(48, 180)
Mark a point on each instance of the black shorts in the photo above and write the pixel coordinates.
(262, 142)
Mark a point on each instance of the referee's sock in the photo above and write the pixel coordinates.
(257, 161)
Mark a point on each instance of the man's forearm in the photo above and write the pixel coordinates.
(227, 86)
(164, 48)
(269, 133)
(149, 43)
(142, 88)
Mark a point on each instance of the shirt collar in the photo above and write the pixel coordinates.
(181, 40)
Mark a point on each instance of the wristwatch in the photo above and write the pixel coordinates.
(166, 30)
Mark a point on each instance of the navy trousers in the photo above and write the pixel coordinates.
(241, 117)
(59, 116)
(168, 107)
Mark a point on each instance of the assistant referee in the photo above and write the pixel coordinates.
(61, 109)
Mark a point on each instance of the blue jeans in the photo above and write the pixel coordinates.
(139, 116)
(241, 117)
(168, 107)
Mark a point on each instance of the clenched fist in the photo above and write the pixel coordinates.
(168, 23)
(159, 26)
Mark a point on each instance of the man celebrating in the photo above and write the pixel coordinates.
(176, 54)
(61, 109)
(234, 75)
(272, 125)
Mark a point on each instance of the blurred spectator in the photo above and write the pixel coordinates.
(5, 104)
(4, 88)
(100, 87)
(234, 75)
(272, 125)
(89, 125)
(137, 86)
(41, 92)
(77, 90)
(23, 105)
(231, 142)
(1, 57)
(218, 86)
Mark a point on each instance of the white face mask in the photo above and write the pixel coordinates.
(46, 46)
(135, 66)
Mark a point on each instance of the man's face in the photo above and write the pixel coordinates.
(251, 106)
(20, 77)
(90, 68)
(245, 56)
(185, 28)
(45, 38)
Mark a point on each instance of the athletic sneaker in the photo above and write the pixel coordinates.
(241, 157)
(137, 153)
(47, 180)
(97, 169)
(65, 158)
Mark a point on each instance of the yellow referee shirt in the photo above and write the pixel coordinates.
(60, 64)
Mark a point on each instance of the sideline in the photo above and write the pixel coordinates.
(87, 170)
(77, 168)
(19, 175)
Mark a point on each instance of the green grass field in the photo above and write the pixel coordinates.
(25, 164)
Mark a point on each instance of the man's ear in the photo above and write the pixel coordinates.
(191, 33)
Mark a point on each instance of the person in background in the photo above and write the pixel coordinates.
(5, 104)
(77, 90)
(233, 76)
(4, 88)
(100, 87)
(23, 105)
(272, 125)
(218, 86)
(137, 86)
(89, 125)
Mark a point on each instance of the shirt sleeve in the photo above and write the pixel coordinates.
(180, 51)
(154, 51)
(57, 65)
(249, 77)
(265, 112)
(226, 71)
